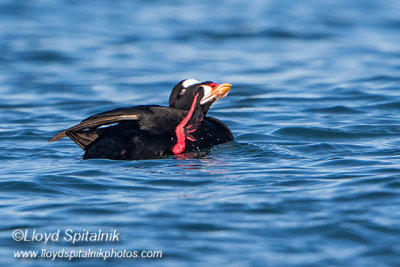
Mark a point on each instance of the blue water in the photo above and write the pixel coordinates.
(312, 178)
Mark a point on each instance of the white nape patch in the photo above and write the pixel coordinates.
(189, 82)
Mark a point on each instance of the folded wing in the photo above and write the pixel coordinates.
(88, 130)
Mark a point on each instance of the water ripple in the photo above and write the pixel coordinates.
(310, 180)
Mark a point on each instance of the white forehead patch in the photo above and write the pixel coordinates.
(207, 91)
(189, 82)
(207, 94)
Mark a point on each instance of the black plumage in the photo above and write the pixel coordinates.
(150, 131)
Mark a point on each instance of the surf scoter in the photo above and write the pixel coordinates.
(150, 131)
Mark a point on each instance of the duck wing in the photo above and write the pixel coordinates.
(89, 129)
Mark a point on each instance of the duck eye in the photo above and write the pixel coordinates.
(182, 92)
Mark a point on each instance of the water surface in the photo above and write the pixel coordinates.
(311, 178)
